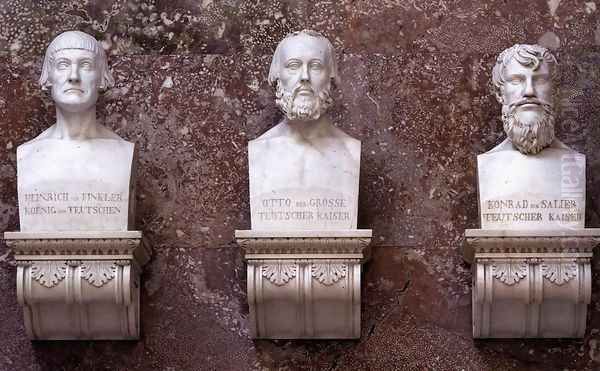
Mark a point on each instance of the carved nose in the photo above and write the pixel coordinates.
(74, 75)
(304, 75)
(529, 91)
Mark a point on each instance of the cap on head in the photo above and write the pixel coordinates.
(527, 55)
(276, 63)
(76, 40)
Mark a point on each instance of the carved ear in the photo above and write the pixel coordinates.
(46, 85)
(499, 94)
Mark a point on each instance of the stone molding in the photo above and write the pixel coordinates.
(79, 288)
(304, 287)
(526, 287)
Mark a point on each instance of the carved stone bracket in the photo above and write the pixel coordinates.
(530, 286)
(304, 284)
(79, 288)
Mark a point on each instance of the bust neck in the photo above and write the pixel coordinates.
(308, 130)
(75, 125)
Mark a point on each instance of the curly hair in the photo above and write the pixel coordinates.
(527, 55)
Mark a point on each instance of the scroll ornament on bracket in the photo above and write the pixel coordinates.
(98, 273)
(49, 273)
(510, 273)
(559, 273)
(279, 273)
(328, 272)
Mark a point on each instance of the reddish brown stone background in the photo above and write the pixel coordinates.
(415, 91)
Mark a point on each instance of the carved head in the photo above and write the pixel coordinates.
(303, 68)
(75, 68)
(523, 83)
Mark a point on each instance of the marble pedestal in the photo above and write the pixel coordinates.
(304, 284)
(530, 284)
(79, 285)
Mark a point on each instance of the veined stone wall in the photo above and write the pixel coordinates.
(191, 91)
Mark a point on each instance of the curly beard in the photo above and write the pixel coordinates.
(529, 136)
(302, 107)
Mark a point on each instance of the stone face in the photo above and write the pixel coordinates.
(541, 191)
(74, 186)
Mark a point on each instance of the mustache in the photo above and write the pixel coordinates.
(302, 87)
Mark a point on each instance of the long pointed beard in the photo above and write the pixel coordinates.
(531, 136)
(302, 107)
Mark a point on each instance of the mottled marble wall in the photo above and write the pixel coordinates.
(191, 91)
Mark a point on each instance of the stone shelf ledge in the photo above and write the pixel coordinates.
(305, 244)
(75, 235)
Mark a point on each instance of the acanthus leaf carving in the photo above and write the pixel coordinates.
(328, 272)
(509, 273)
(98, 273)
(49, 273)
(559, 272)
(278, 272)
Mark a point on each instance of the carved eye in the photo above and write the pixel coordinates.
(317, 66)
(61, 65)
(293, 65)
(86, 64)
(515, 80)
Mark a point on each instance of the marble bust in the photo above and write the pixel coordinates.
(76, 175)
(304, 252)
(304, 172)
(531, 180)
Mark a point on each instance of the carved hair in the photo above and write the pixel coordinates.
(76, 40)
(276, 62)
(527, 55)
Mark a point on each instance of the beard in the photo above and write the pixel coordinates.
(529, 136)
(302, 107)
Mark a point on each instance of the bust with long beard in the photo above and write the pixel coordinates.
(304, 171)
(531, 180)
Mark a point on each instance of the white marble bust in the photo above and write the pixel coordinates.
(531, 180)
(76, 175)
(304, 172)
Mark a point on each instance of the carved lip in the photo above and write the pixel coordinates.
(73, 90)
(305, 91)
(529, 103)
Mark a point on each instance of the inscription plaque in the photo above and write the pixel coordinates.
(542, 191)
(67, 186)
